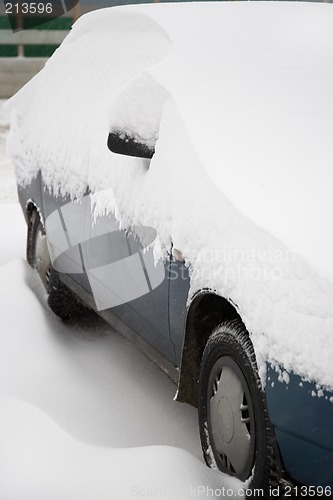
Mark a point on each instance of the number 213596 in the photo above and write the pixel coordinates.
(28, 8)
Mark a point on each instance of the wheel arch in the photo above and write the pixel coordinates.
(30, 207)
(205, 312)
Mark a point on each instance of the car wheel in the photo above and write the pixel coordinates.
(236, 435)
(60, 299)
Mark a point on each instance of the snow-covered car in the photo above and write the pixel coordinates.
(174, 165)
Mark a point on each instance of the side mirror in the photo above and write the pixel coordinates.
(124, 144)
(135, 116)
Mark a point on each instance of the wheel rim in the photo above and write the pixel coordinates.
(41, 260)
(231, 422)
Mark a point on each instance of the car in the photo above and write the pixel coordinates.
(173, 164)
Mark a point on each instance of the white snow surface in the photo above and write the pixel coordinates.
(84, 414)
(241, 180)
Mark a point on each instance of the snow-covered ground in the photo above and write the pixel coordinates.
(84, 415)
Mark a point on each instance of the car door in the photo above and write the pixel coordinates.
(65, 224)
(126, 281)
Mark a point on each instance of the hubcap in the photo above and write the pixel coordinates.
(231, 418)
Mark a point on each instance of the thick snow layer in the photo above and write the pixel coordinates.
(4, 114)
(8, 190)
(254, 86)
(8, 187)
(12, 220)
(111, 51)
(146, 98)
(241, 179)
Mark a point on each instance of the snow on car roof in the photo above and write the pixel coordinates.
(241, 178)
(254, 86)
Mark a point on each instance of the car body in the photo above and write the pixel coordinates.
(173, 165)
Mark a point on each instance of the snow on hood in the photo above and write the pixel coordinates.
(240, 180)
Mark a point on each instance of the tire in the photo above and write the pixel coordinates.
(235, 431)
(60, 299)
(37, 251)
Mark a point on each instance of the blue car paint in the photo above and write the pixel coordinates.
(303, 424)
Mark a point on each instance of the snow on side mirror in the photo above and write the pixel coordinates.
(135, 116)
(121, 143)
